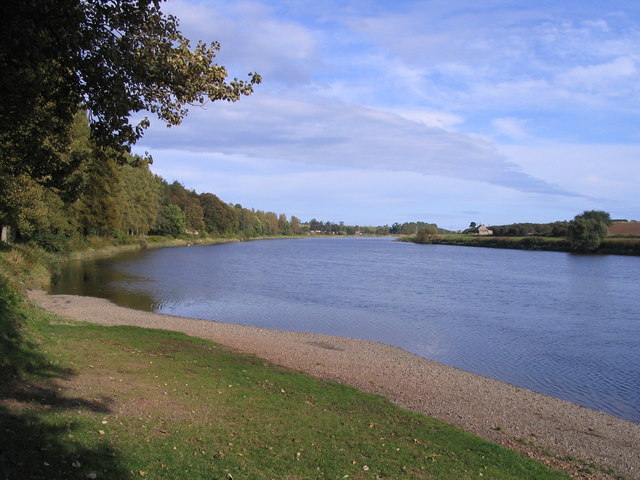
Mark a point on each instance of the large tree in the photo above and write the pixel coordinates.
(111, 58)
(586, 230)
(219, 217)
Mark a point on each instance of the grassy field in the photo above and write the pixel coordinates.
(610, 245)
(80, 401)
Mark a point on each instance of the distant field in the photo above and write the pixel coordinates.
(626, 228)
(610, 245)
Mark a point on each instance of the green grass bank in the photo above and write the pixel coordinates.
(609, 246)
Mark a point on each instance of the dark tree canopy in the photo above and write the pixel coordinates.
(111, 58)
(587, 230)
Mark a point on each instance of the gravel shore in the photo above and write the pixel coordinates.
(542, 427)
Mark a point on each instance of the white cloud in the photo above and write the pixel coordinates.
(319, 131)
(607, 78)
(511, 127)
(430, 118)
(608, 175)
(253, 38)
(470, 58)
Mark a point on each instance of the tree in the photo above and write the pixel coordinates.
(426, 233)
(97, 207)
(171, 220)
(140, 199)
(111, 59)
(284, 225)
(219, 217)
(295, 225)
(586, 231)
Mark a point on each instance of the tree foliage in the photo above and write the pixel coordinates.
(554, 229)
(112, 59)
(587, 230)
(140, 199)
(411, 228)
(171, 221)
(426, 234)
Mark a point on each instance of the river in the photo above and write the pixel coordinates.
(561, 324)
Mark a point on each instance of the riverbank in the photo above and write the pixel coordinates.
(552, 430)
(108, 250)
(609, 246)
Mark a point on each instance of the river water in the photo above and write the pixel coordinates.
(561, 324)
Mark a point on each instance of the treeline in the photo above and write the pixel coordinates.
(412, 228)
(331, 228)
(104, 197)
(408, 228)
(554, 229)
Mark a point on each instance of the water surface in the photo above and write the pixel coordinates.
(560, 324)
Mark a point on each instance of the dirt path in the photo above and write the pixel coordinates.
(540, 426)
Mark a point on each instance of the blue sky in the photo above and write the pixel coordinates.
(374, 112)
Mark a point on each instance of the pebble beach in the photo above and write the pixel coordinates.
(536, 425)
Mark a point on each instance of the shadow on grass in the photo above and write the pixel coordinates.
(35, 442)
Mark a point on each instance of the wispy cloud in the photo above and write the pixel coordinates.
(511, 127)
(327, 132)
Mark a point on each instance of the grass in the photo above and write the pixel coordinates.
(610, 245)
(520, 243)
(125, 402)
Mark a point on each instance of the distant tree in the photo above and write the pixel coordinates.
(560, 229)
(171, 221)
(315, 225)
(472, 225)
(426, 234)
(284, 225)
(586, 231)
(97, 208)
(295, 225)
(219, 218)
(140, 199)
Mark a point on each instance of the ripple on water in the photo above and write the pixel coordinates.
(560, 324)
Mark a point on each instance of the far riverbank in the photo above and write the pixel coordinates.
(609, 246)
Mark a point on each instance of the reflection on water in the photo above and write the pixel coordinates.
(561, 324)
(98, 278)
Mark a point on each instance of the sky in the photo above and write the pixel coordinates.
(374, 112)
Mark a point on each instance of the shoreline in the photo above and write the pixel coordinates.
(542, 427)
(622, 246)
